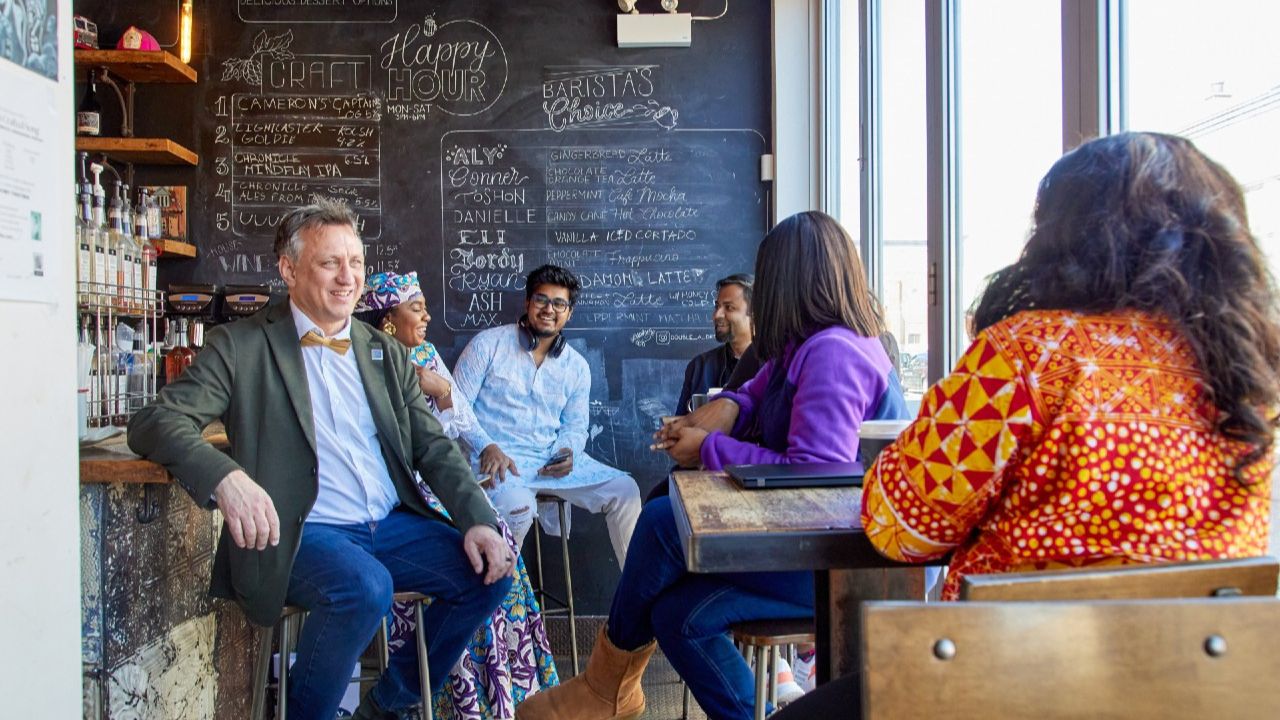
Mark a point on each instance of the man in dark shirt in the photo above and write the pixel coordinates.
(734, 362)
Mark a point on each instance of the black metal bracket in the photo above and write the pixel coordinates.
(149, 511)
(125, 97)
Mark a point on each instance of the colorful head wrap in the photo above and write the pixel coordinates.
(387, 290)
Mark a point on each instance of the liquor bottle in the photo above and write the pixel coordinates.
(89, 114)
(84, 233)
(126, 209)
(115, 248)
(101, 287)
(139, 371)
(155, 224)
(146, 280)
(180, 357)
(84, 243)
(134, 266)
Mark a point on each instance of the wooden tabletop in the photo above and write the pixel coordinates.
(111, 461)
(726, 529)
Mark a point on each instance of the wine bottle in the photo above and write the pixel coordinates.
(89, 114)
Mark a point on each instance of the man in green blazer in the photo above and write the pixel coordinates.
(321, 508)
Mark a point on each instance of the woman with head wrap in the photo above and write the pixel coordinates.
(509, 658)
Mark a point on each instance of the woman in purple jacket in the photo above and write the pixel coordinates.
(825, 371)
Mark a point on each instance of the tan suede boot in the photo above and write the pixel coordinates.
(609, 688)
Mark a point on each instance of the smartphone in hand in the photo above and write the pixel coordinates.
(561, 455)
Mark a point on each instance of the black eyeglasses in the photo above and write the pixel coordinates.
(559, 305)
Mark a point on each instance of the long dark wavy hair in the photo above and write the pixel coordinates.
(1145, 221)
(809, 278)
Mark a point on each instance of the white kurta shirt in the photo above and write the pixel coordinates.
(529, 411)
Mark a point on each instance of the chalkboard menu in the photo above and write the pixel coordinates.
(639, 216)
(476, 141)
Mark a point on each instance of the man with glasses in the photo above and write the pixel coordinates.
(530, 391)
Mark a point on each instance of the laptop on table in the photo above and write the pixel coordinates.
(795, 475)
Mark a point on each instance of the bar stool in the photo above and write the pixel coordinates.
(289, 622)
(762, 641)
(565, 605)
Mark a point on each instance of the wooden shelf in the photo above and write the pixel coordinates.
(176, 248)
(140, 66)
(146, 151)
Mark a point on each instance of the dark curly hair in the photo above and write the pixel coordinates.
(552, 275)
(1145, 221)
(809, 278)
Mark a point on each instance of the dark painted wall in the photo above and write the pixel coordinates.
(394, 114)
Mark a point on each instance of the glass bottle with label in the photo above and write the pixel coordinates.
(146, 280)
(115, 249)
(179, 358)
(89, 114)
(84, 243)
(101, 289)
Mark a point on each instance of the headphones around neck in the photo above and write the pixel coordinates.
(530, 341)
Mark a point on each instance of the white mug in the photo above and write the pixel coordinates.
(875, 435)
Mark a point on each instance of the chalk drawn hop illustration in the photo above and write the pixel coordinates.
(249, 69)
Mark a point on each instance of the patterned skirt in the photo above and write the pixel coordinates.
(507, 659)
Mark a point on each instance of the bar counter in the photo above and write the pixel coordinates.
(154, 644)
(111, 461)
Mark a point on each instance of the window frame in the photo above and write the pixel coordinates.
(807, 46)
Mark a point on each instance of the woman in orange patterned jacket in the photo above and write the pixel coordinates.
(1119, 401)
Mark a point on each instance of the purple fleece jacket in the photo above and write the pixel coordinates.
(832, 381)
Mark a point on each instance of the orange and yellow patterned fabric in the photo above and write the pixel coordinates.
(1065, 440)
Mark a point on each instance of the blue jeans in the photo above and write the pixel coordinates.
(345, 576)
(690, 614)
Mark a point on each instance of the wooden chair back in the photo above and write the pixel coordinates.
(1210, 578)
(1167, 659)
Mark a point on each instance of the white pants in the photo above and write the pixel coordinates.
(618, 498)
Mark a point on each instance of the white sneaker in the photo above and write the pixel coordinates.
(806, 672)
(788, 689)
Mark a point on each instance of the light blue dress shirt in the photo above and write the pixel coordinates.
(529, 411)
(355, 485)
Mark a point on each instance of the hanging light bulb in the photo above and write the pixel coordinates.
(184, 33)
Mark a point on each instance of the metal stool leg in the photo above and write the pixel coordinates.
(261, 673)
(774, 654)
(384, 647)
(762, 667)
(684, 705)
(424, 670)
(537, 549)
(568, 583)
(286, 649)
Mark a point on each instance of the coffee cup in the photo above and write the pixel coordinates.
(697, 401)
(875, 435)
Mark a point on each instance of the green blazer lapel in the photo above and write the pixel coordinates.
(377, 376)
(282, 337)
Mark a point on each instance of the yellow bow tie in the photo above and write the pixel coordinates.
(313, 338)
